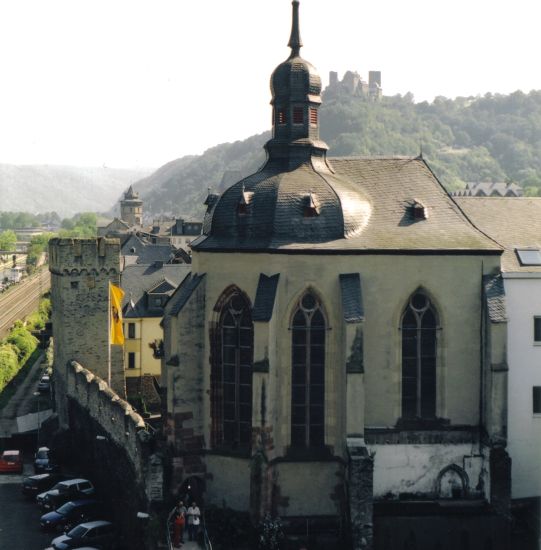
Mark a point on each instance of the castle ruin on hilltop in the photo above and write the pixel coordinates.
(353, 85)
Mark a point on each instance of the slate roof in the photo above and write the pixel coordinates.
(130, 194)
(495, 298)
(264, 297)
(147, 253)
(352, 300)
(389, 185)
(276, 199)
(136, 280)
(183, 293)
(512, 222)
(170, 227)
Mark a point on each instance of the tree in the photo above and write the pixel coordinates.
(38, 245)
(8, 240)
(81, 226)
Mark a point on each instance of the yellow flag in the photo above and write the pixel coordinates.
(115, 314)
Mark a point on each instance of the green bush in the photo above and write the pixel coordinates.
(37, 320)
(49, 355)
(45, 308)
(22, 339)
(9, 364)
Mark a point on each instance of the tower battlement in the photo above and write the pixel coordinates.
(74, 256)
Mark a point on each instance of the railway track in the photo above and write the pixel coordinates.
(22, 300)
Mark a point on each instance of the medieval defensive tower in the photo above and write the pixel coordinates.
(81, 270)
(131, 208)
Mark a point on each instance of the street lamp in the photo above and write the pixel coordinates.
(36, 393)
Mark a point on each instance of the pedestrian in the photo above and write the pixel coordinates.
(179, 521)
(194, 519)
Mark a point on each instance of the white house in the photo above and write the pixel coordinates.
(516, 224)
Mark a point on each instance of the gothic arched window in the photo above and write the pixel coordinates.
(232, 409)
(419, 325)
(308, 374)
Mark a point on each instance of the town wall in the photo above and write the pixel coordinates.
(116, 417)
(107, 441)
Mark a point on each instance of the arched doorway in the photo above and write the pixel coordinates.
(193, 489)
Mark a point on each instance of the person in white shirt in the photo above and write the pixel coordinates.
(194, 519)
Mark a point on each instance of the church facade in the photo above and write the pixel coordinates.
(337, 354)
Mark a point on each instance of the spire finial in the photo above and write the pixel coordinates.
(295, 42)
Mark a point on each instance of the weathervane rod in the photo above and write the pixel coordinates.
(295, 42)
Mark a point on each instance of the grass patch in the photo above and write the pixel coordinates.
(10, 390)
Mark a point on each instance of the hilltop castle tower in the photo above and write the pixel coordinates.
(131, 208)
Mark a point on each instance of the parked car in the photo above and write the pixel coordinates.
(33, 485)
(71, 514)
(97, 533)
(44, 384)
(40, 498)
(43, 461)
(69, 489)
(11, 461)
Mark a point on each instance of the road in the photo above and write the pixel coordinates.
(24, 401)
(22, 299)
(19, 519)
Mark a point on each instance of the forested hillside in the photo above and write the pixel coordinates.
(490, 138)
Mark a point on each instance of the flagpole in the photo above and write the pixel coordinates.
(109, 335)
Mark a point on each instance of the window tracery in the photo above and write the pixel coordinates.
(308, 373)
(234, 376)
(419, 348)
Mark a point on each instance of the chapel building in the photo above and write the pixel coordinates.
(337, 354)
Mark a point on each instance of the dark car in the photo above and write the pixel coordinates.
(64, 491)
(44, 385)
(44, 461)
(33, 485)
(100, 534)
(72, 513)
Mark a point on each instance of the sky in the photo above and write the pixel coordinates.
(138, 83)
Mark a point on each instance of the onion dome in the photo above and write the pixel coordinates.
(296, 98)
(296, 197)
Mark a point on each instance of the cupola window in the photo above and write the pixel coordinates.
(313, 116)
(311, 206)
(245, 199)
(298, 115)
(281, 117)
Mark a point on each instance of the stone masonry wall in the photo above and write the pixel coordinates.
(81, 270)
(116, 417)
(185, 391)
(108, 442)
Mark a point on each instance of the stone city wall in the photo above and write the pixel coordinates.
(116, 417)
